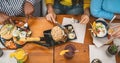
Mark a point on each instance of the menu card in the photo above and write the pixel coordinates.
(100, 53)
(79, 29)
(5, 58)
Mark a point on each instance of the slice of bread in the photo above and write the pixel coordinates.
(57, 33)
(5, 33)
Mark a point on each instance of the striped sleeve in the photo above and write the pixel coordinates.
(32, 1)
(12, 7)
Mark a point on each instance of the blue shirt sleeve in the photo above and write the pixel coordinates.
(97, 10)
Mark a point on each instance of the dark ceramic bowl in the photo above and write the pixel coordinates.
(106, 27)
(1, 52)
(96, 61)
(110, 51)
(119, 53)
(2, 40)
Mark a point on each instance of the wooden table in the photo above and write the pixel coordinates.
(40, 54)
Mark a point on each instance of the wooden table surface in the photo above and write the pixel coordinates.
(41, 54)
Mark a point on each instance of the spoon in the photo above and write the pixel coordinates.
(26, 24)
(109, 24)
(111, 20)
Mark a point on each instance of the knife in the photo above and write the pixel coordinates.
(61, 26)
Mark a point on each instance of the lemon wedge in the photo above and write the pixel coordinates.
(19, 54)
(63, 52)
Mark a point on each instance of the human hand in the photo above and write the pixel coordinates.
(116, 33)
(117, 16)
(84, 19)
(3, 17)
(51, 16)
(28, 8)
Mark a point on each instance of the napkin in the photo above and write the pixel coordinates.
(100, 53)
(79, 29)
(99, 41)
(5, 58)
(116, 41)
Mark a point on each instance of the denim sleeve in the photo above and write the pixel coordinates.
(97, 10)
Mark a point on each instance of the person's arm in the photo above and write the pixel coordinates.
(29, 7)
(32, 1)
(85, 16)
(114, 31)
(97, 11)
(49, 4)
(87, 11)
(50, 8)
(3, 17)
(51, 16)
(117, 16)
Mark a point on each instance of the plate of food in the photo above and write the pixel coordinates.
(11, 33)
(99, 29)
(56, 35)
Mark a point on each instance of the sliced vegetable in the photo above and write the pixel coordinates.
(23, 34)
(16, 33)
(10, 44)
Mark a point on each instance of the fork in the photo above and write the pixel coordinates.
(109, 24)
